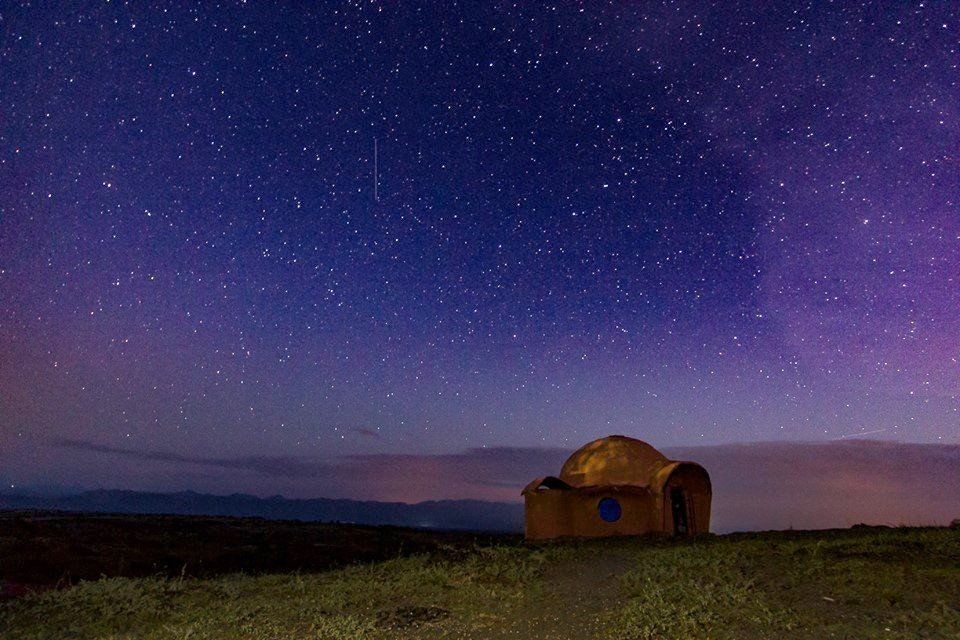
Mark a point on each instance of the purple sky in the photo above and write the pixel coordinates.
(694, 224)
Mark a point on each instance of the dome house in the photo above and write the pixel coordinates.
(618, 486)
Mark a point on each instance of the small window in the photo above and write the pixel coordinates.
(609, 509)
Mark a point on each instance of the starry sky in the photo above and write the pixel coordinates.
(693, 223)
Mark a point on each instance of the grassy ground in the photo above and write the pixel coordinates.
(859, 583)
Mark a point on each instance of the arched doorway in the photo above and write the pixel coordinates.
(686, 494)
(679, 509)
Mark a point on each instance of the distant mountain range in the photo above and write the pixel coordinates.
(474, 515)
(756, 486)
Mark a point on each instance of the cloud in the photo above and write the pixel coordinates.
(279, 466)
(482, 473)
(756, 486)
(830, 484)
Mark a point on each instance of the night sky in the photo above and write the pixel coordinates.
(691, 223)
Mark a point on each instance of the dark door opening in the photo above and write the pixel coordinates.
(678, 505)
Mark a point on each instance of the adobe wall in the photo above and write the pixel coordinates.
(571, 513)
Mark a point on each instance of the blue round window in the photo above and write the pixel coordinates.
(609, 510)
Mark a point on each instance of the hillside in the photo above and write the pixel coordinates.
(856, 583)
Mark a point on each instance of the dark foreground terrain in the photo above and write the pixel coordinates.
(43, 549)
(856, 583)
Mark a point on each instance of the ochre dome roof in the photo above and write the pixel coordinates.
(614, 460)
